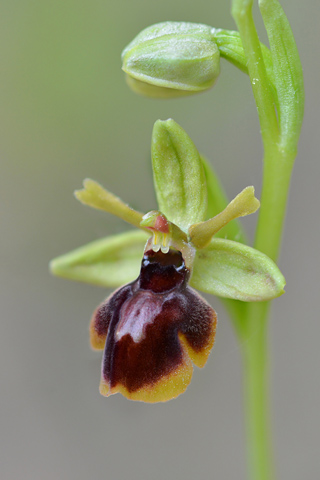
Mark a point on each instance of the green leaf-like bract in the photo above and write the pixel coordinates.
(179, 179)
(287, 71)
(233, 270)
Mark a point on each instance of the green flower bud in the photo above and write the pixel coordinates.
(172, 59)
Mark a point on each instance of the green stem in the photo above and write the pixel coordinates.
(252, 326)
(274, 195)
(256, 393)
(252, 331)
(276, 180)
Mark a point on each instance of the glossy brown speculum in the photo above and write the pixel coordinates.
(152, 329)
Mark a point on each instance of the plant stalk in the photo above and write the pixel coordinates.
(256, 393)
(254, 319)
(276, 181)
(252, 322)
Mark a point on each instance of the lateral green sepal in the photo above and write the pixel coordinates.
(232, 270)
(109, 262)
(179, 179)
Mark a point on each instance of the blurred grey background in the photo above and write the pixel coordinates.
(67, 114)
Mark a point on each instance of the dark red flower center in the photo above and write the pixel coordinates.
(161, 272)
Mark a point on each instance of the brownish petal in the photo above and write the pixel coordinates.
(101, 317)
(199, 328)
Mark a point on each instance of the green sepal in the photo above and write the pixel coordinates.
(287, 70)
(217, 201)
(232, 270)
(179, 178)
(109, 262)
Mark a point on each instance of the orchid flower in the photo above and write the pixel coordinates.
(156, 326)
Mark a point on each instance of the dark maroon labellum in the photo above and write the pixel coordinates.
(151, 328)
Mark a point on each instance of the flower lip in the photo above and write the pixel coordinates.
(161, 272)
(152, 330)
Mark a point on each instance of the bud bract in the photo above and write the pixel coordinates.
(172, 59)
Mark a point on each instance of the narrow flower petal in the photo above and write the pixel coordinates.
(243, 204)
(94, 195)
